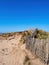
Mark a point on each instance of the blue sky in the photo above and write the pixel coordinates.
(19, 15)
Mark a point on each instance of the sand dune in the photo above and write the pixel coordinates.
(11, 53)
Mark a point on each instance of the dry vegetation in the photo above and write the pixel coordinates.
(24, 35)
(26, 61)
(40, 34)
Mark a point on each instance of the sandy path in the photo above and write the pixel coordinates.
(10, 54)
(33, 58)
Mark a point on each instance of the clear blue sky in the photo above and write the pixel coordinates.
(18, 15)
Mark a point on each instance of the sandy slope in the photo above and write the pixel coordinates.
(11, 53)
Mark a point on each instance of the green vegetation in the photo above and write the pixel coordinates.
(42, 34)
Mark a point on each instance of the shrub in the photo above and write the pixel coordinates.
(42, 34)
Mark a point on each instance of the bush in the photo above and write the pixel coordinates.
(42, 34)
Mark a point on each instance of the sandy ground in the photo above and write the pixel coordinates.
(12, 54)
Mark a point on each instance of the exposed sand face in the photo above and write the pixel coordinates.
(11, 53)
